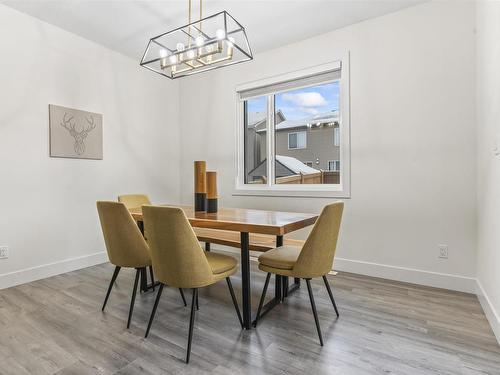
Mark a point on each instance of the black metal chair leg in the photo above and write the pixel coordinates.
(197, 303)
(158, 296)
(315, 313)
(191, 324)
(137, 274)
(262, 298)
(152, 277)
(183, 298)
(113, 279)
(235, 302)
(331, 295)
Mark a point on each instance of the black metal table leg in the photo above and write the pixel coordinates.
(144, 278)
(245, 280)
(140, 224)
(285, 288)
(278, 285)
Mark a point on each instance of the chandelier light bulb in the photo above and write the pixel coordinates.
(199, 41)
(191, 54)
(180, 47)
(173, 59)
(163, 53)
(220, 34)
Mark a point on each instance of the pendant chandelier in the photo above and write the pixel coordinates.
(209, 43)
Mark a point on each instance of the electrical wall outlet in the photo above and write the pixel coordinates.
(4, 252)
(443, 251)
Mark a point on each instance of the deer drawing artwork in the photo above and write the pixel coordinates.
(78, 133)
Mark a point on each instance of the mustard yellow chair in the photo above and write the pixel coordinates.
(313, 259)
(125, 244)
(179, 260)
(135, 201)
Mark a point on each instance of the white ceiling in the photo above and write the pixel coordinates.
(126, 26)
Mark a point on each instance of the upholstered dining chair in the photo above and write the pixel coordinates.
(125, 245)
(135, 201)
(313, 259)
(179, 260)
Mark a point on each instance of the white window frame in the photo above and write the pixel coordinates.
(297, 148)
(336, 136)
(341, 190)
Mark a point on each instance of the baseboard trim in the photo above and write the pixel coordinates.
(489, 310)
(396, 273)
(43, 271)
(408, 275)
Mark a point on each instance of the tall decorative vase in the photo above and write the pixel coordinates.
(200, 185)
(212, 192)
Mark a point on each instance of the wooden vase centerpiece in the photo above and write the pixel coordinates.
(200, 185)
(212, 192)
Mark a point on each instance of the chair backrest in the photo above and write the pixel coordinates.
(316, 257)
(124, 242)
(134, 200)
(178, 259)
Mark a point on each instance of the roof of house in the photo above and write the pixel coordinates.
(256, 118)
(295, 165)
(318, 119)
(285, 166)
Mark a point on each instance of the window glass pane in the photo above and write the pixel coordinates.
(301, 140)
(255, 123)
(307, 135)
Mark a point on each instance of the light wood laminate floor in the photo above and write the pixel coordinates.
(55, 326)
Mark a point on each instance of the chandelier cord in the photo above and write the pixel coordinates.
(189, 23)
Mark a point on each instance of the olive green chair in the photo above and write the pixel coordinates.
(313, 259)
(125, 244)
(179, 260)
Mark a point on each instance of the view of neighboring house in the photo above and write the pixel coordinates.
(313, 141)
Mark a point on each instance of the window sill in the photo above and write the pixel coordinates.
(312, 191)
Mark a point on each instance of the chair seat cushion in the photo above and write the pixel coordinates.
(283, 257)
(220, 263)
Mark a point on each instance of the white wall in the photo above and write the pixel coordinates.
(413, 140)
(488, 127)
(47, 205)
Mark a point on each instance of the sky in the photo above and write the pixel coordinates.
(302, 103)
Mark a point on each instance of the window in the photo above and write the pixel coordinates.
(297, 140)
(333, 165)
(289, 127)
(255, 122)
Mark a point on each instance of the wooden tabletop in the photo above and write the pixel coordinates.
(244, 220)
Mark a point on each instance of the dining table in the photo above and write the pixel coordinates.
(246, 221)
